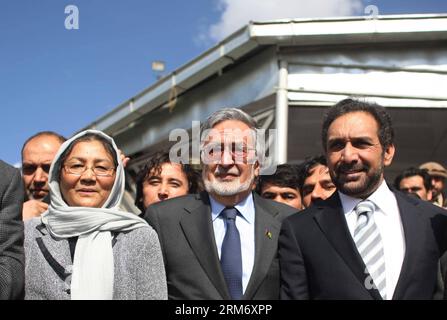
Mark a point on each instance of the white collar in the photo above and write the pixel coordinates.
(245, 208)
(383, 198)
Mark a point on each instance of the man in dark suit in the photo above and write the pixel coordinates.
(11, 233)
(365, 241)
(222, 243)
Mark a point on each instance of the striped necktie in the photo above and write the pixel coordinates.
(369, 244)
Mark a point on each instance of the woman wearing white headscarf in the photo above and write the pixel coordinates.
(83, 246)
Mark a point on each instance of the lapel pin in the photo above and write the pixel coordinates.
(268, 234)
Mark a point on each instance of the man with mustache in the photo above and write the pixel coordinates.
(438, 175)
(366, 241)
(317, 183)
(222, 243)
(38, 153)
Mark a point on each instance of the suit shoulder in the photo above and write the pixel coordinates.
(303, 216)
(181, 201)
(140, 235)
(427, 207)
(6, 166)
(31, 224)
(7, 170)
(435, 210)
(284, 208)
(33, 228)
(174, 206)
(281, 210)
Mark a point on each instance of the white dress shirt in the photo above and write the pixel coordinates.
(245, 223)
(389, 223)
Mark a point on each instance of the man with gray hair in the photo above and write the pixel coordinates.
(222, 243)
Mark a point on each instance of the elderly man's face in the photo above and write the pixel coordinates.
(356, 159)
(230, 167)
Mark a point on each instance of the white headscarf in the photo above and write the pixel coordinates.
(93, 266)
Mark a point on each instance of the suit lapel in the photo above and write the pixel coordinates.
(334, 226)
(412, 223)
(198, 230)
(59, 249)
(266, 238)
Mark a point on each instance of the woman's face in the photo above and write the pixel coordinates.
(87, 189)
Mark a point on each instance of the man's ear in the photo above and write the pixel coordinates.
(389, 155)
(257, 168)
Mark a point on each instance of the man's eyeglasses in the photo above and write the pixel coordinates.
(237, 150)
(79, 169)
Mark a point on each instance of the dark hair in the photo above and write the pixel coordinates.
(308, 164)
(286, 175)
(411, 172)
(386, 132)
(88, 137)
(154, 164)
(60, 138)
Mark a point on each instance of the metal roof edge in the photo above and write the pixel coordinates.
(211, 61)
(255, 34)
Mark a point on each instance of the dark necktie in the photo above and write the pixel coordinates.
(231, 257)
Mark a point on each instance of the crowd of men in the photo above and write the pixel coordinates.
(330, 227)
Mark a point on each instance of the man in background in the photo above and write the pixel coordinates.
(282, 186)
(317, 183)
(38, 153)
(414, 181)
(160, 179)
(438, 175)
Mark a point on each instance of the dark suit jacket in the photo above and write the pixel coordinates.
(189, 249)
(12, 264)
(319, 260)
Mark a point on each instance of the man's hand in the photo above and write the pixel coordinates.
(33, 208)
